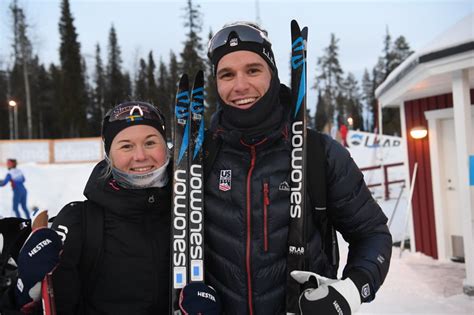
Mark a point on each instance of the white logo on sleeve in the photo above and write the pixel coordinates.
(365, 291)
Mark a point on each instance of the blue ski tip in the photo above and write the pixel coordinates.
(184, 144)
(199, 140)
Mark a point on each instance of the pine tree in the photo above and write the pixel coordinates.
(341, 110)
(401, 51)
(353, 106)
(211, 90)
(173, 78)
(368, 99)
(309, 119)
(23, 57)
(191, 58)
(127, 87)
(4, 108)
(141, 90)
(42, 90)
(150, 79)
(387, 55)
(393, 54)
(329, 81)
(116, 85)
(164, 97)
(378, 74)
(321, 118)
(99, 89)
(92, 120)
(53, 126)
(73, 104)
(174, 75)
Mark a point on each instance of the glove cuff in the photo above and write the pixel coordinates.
(363, 284)
(349, 292)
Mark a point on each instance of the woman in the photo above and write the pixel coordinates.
(110, 253)
(131, 189)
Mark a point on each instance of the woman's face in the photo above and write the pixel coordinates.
(138, 150)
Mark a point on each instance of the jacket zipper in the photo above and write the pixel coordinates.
(154, 248)
(249, 234)
(249, 216)
(266, 203)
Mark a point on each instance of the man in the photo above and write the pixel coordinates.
(247, 206)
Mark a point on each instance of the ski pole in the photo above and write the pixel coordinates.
(396, 206)
(412, 185)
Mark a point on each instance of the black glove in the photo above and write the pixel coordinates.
(330, 296)
(199, 298)
(38, 256)
(13, 233)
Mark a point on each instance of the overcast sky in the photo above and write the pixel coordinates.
(158, 25)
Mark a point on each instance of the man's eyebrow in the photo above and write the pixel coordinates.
(249, 65)
(255, 64)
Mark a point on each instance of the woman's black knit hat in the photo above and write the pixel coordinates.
(130, 114)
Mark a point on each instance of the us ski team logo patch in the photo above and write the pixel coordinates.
(225, 180)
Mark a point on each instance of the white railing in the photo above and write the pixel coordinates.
(73, 150)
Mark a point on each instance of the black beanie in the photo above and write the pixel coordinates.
(131, 113)
(234, 43)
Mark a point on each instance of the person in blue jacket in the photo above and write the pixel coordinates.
(16, 178)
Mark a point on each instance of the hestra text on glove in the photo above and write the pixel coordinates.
(199, 298)
(331, 296)
(38, 256)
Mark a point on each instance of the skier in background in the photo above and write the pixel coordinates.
(16, 178)
(247, 195)
(131, 189)
(343, 131)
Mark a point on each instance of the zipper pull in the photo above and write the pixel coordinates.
(151, 199)
(266, 198)
(266, 203)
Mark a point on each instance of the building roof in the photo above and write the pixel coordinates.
(428, 70)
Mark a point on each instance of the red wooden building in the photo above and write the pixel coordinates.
(434, 90)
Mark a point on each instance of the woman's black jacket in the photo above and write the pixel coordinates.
(132, 272)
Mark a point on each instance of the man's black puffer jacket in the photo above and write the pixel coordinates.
(133, 272)
(247, 216)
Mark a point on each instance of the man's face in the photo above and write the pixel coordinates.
(243, 77)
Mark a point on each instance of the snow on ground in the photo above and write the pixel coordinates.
(50, 186)
(418, 284)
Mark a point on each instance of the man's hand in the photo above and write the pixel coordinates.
(199, 298)
(38, 256)
(326, 296)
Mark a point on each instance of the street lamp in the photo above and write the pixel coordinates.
(10, 120)
(14, 107)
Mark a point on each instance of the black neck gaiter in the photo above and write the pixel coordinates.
(260, 119)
